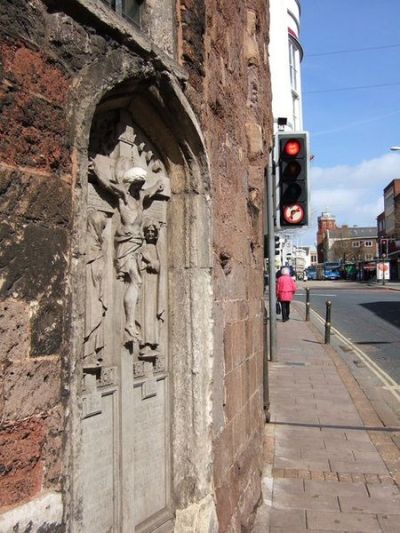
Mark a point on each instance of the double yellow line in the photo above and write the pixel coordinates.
(389, 383)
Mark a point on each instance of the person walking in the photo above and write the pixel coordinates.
(285, 290)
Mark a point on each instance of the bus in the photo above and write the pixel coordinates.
(332, 270)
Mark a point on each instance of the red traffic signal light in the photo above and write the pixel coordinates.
(292, 147)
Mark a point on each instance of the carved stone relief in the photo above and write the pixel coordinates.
(128, 184)
(125, 351)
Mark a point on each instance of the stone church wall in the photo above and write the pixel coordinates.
(201, 95)
(223, 48)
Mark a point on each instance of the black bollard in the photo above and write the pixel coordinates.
(328, 322)
(307, 305)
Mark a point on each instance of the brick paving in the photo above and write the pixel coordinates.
(330, 466)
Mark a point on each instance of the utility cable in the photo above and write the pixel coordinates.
(351, 50)
(355, 88)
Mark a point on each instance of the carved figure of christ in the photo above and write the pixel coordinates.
(127, 187)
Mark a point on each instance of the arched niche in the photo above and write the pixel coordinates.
(166, 141)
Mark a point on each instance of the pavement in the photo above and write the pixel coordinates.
(331, 464)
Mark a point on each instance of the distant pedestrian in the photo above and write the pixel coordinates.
(285, 290)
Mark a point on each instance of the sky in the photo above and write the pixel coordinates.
(351, 106)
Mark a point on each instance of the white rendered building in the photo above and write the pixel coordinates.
(285, 55)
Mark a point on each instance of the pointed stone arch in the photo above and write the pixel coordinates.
(161, 113)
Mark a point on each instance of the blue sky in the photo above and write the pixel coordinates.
(351, 130)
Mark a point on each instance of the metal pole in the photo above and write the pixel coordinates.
(271, 261)
(307, 305)
(328, 322)
(265, 373)
(383, 269)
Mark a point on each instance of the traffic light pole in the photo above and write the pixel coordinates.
(271, 262)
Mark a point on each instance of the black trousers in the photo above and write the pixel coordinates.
(285, 310)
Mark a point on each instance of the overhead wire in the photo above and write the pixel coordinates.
(351, 50)
(354, 88)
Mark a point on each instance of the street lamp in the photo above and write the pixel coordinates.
(395, 148)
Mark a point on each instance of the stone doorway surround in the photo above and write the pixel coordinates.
(160, 110)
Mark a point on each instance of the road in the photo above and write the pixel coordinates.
(368, 317)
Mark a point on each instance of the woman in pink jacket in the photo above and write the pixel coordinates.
(285, 290)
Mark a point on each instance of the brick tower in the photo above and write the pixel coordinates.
(326, 222)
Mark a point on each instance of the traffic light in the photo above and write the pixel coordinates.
(277, 245)
(293, 157)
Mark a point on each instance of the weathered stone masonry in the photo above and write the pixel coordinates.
(224, 50)
(35, 204)
(59, 67)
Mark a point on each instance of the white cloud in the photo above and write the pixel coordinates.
(353, 194)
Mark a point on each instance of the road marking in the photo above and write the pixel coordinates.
(315, 294)
(387, 387)
(388, 382)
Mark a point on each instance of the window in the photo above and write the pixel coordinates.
(369, 257)
(368, 244)
(355, 244)
(294, 72)
(294, 65)
(129, 9)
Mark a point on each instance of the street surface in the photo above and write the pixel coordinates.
(367, 316)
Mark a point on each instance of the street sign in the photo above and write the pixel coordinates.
(383, 270)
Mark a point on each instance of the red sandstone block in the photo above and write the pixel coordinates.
(35, 72)
(249, 326)
(223, 455)
(252, 369)
(245, 382)
(239, 342)
(224, 506)
(33, 133)
(21, 471)
(228, 342)
(233, 393)
(14, 330)
(239, 434)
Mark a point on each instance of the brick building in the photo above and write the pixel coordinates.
(351, 244)
(132, 290)
(389, 227)
(326, 222)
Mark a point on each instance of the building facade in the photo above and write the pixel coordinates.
(132, 292)
(350, 244)
(388, 224)
(285, 54)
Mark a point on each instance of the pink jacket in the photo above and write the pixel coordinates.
(285, 288)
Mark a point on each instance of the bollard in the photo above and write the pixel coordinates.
(307, 305)
(328, 322)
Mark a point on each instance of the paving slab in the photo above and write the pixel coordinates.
(327, 469)
(339, 521)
